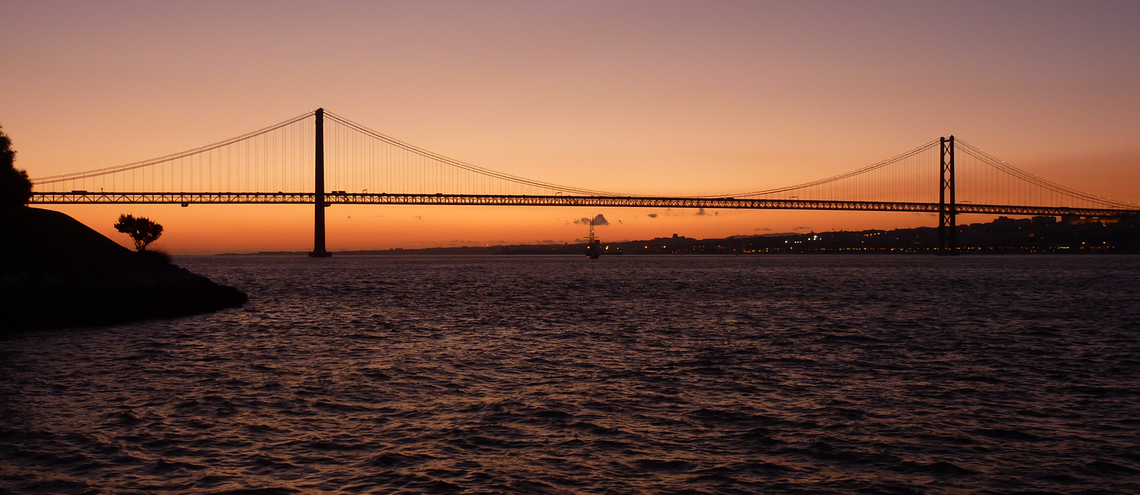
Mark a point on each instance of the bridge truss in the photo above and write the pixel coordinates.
(346, 198)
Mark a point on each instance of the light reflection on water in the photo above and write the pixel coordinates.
(619, 375)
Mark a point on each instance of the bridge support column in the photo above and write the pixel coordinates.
(947, 212)
(319, 193)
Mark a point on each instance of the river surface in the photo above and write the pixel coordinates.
(634, 374)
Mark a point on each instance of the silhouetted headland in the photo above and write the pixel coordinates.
(56, 272)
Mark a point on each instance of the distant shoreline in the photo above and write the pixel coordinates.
(416, 253)
(1039, 235)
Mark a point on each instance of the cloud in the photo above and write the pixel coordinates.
(764, 229)
(802, 228)
(419, 217)
(598, 220)
(700, 212)
(652, 215)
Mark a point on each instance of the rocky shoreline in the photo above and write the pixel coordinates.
(56, 272)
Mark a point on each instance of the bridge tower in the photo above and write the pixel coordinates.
(947, 213)
(319, 193)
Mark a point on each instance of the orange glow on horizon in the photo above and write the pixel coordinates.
(198, 229)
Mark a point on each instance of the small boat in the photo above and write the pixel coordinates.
(594, 247)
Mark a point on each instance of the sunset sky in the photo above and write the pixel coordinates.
(669, 98)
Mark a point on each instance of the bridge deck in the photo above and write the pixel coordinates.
(84, 197)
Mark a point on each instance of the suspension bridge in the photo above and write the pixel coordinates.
(322, 159)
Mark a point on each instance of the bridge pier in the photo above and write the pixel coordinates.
(319, 193)
(947, 213)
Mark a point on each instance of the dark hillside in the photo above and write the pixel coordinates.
(35, 237)
(56, 272)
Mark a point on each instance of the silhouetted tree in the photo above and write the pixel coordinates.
(15, 187)
(141, 229)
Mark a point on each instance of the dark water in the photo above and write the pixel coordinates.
(622, 375)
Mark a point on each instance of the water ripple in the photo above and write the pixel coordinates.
(622, 375)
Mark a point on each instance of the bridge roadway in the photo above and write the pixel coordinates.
(185, 199)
